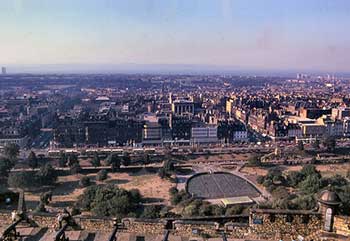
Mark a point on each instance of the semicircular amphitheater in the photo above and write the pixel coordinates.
(219, 185)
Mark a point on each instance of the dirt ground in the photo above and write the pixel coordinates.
(151, 186)
(326, 170)
(220, 158)
(254, 171)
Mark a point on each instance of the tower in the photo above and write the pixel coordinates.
(328, 202)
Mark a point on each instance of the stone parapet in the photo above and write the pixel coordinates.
(284, 224)
(195, 228)
(149, 226)
(342, 225)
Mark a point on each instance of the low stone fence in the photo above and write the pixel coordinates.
(342, 225)
(284, 224)
(44, 220)
(146, 226)
(94, 224)
(263, 224)
(236, 230)
(5, 218)
(195, 228)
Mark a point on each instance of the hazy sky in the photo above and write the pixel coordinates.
(266, 34)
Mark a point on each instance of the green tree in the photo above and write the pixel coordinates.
(126, 159)
(179, 197)
(63, 160)
(135, 195)
(303, 202)
(191, 210)
(275, 175)
(162, 173)
(84, 181)
(107, 200)
(151, 212)
(146, 159)
(47, 175)
(40, 208)
(280, 193)
(6, 165)
(254, 160)
(96, 162)
(205, 210)
(300, 146)
(21, 180)
(32, 160)
(316, 144)
(11, 151)
(167, 169)
(237, 209)
(294, 178)
(102, 175)
(72, 160)
(344, 194)
(260, 179)
(330, 143)
(217, 210)
(309, 170)
(312, 184)
(173, 191)
(115, 161)
(169, 166)
(75, 168)
(46, 197)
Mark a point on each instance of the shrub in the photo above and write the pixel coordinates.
(40, 208)
(72, 160)
(32, 160)
(237, 209)
(75, 168)
(21, 179)
(6, 165)
(84, 181)
(260, 179)
(114, 160)
(63, 160)
(254, 160)
(46, 197)
(151, 212)
(47, 175)
(95, 162)
(108, 200)
(75, 211)
(102, 175)
(173, 191)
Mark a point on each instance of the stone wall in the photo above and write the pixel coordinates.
(236, 230)
(44, 220)
(284, 224)
(263, 224)
(195, 228)
(146, 226)
(342, 225)
(5, 218)
(95, 224)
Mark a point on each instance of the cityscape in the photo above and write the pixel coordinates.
(174, 137)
